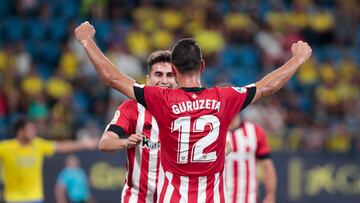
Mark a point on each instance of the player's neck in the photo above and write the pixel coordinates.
(22, 140)
(189, 81)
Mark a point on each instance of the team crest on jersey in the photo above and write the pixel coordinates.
(241, 90)
(147, 143)
(116, 117)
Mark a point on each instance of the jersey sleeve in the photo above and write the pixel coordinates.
(151, 97)
(237, 98)
(263, 149)
(47, 147)
(124, 120)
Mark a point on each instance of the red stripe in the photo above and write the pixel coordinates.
(163, 189)
(233, 140)
(210, 188)
(130, 168)
(175, 197)
(193, 189)
(221, 188)
(157, 174)
(235, 180)
(247, 181)
(243, 127)
(143, 183)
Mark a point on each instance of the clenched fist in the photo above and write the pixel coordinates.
(301, 50)
(133, 140)
(84, 32)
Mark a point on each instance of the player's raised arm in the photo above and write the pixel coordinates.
(275, 80)
(107, 70)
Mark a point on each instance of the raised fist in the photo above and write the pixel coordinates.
(84, 32)
(301, 50)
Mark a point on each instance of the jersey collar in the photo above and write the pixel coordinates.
(193, 89)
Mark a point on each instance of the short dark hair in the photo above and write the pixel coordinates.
(186, 55)
(158, 56)
(20, 124)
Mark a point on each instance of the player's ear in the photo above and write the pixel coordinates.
(147, 78)
(202, 65)
(174, 70)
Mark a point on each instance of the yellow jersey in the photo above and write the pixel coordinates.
(22, 168)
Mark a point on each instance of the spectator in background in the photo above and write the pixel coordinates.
(22, 161)
(72, 184)
(131, 66)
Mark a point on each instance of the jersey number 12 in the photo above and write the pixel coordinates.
(182, 125)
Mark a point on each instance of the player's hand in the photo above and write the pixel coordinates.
(134, 140)
(84, 32)
(301, 50)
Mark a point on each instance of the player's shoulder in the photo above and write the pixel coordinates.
(7, 143)
(128, 104)
(40, 141)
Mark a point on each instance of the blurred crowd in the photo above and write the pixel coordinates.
(45, 74)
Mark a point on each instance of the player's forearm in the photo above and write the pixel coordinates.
(60, 194)
(107, 70)
(275, 80)
(270, 178)
(69, 146)
(108, 144)
(228, 148)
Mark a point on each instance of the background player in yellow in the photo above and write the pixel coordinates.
(22, 161)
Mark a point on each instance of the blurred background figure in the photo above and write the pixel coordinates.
(250, 149)
(72, 184)
(22, 161)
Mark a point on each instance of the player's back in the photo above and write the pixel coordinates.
(193, 123)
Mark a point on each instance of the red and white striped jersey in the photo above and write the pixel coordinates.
(249, 144)
(143, 160)
(197, 189)
(193, 125)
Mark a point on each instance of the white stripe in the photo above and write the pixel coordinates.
(202, 189)
(229, 177)
(251, 137)
(153, 158)
(138, 156)
(216, 188)
(161, 180)
(184, 187)
(252, 181)
(240, 141)
(170, 187)
(224, 189)
(252, 142)
(124, 192)
(141, 119)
